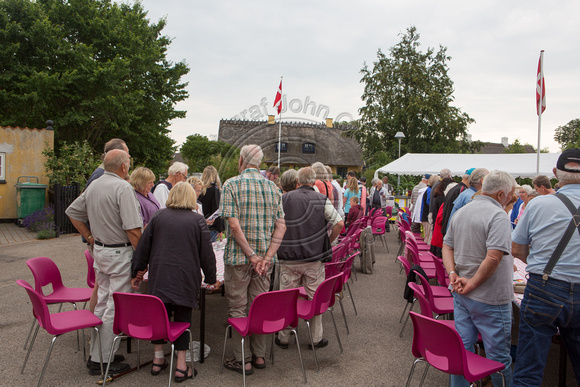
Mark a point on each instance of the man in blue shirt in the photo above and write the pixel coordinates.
(551, 299)
(475, 183)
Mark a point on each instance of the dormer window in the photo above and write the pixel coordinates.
(308, 147)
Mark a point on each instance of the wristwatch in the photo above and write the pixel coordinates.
(251, 255)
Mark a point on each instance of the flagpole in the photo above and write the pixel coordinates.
(280, 128)
(540, 108)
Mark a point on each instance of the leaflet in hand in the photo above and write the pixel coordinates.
(214, 215)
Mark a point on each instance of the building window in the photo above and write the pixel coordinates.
(283, 147)
(2, 168)
(308, 147)
(342, 171)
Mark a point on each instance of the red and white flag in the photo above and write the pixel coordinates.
(540, 86)
(278, 99)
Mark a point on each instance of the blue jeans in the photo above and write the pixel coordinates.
(494, 322)
(213, 235)
(545, 308)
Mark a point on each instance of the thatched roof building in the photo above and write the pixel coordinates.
(302, 143)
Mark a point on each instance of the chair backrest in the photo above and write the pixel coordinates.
(426, 287)
(39, 307)
(273, 311)
(324, 295)
(45, 272)
(347, 270)
(372, 211)
(439, 344)
(379, 224)
(141, 316)
(356, 239)
(442, 277)
(420, 296)
(389, 211)
(406, 265)
(342, 250)
(90, 269)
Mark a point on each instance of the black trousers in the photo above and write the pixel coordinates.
(178, 313)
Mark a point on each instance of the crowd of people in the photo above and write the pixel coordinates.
(157, 238)
(279, 230)
(477, 227)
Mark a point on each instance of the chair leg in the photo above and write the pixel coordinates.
(78, 342)
(110, 359)
(30, 348)
(228, 328)
(29, 333)
(352, 299)
(299, 354)
(386, 244)
(404, 310)
(313, 349)
(191, 347)
(243, 361)
(406, 320)
(84, 346)
(502, 378)
(412, 371)
(272, 350)
(343, 315)
(424, 374)
(171, 372)
(100, 348)
(353, 271)
(46, 360)
(336, 330)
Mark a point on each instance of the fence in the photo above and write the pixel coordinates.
(62, 196)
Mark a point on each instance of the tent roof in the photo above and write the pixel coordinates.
(517, 164)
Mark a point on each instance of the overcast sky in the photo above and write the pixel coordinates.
(237, 51)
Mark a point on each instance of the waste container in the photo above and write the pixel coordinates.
(29, 196)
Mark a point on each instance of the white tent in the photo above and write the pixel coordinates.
(517, 164)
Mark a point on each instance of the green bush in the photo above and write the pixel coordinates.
(46, 234)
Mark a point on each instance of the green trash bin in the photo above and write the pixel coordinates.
(29, 196)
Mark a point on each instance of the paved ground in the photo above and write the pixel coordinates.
(374, 354)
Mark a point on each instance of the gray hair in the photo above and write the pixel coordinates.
(320, 170)
(374, 181)
(526, 188)
(288, 180)
(251, 155)
(445, 172)
(477, 176)
(177, 167)
(306, 176)
(565, 177)
(498, 181)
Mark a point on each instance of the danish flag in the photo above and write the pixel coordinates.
(540, 86)
(278, 99)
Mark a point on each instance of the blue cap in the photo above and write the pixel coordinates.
(426, 176)
(469, 171)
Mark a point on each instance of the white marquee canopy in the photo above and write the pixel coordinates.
(517, 164)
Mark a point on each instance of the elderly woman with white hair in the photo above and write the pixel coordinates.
(176, 245)
(524, 194)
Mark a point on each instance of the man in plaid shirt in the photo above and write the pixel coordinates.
(252, 206)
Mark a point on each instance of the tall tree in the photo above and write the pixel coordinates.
(568, 136)
(199, 152)
(98, 69)
(410, 91)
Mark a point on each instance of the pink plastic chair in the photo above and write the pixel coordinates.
(332, 269)
(379, 225)
(144, 317)
(413, 258)
(46, 273)
(439, 345)
(90, 269)
(347, 273)
(57, 324)
(322, 301)
(270, 312)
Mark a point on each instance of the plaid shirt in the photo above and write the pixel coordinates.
(257, 203)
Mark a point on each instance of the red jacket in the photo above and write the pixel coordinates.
(354, 213)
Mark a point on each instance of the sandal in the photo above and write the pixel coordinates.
(179, 379)
(256, 365)
(160, 366)
(234, 365)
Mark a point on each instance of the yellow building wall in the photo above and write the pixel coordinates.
(23, 148)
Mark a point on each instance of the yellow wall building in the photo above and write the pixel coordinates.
(21, 155)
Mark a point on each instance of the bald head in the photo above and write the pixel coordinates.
(118, 162)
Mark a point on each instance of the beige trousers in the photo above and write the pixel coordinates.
(310, 275)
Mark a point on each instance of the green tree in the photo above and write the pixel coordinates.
(410, 91)
(198, 151)
(75, 163)
(568, 136)
(97, 68)
(515, 147)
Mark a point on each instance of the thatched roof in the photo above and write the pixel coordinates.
(331, 148)
(497, 148)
